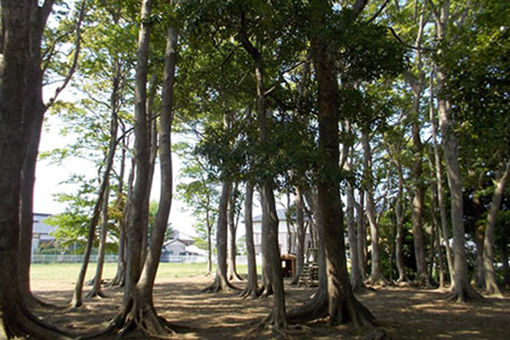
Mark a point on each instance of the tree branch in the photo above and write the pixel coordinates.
(75, 58)
(378, 12)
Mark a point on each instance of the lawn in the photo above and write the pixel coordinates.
(45, 276)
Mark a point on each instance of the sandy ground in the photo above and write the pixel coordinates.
(403, 313)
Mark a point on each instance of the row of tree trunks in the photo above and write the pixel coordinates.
(272, 272)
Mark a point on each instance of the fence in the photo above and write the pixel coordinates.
(56, 258)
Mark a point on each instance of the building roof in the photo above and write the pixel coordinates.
(39, 227)
(281, 216)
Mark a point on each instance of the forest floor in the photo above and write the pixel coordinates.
(402, 312)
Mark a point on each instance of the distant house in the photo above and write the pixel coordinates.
(182, 244)
(282, 234)
(41, 232)
(175, 247)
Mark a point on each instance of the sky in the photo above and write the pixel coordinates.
(49, 177)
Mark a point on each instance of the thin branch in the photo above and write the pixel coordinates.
(75, 58)
(378, 12)
(408, 45)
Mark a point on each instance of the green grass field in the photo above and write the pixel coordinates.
(66, 273)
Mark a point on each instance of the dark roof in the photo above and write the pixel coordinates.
(279, 212)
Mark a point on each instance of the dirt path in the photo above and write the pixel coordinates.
(403, 313)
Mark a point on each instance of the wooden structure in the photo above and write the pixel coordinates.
(288, 265)
(310, 275)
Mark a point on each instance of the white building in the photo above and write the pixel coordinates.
(41, 232)
(282, 234)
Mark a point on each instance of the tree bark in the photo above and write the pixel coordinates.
(399, 240)
(96, 286)
(376, 277)
(356, 278)
(221, 279)
(491, 286)
(138, 309)
(362, 234)
(462, 290)
(503, 255)
(77, 299)
(418, 194)
(20, 93)
(232, 230)
(301, 236)
(251, 289)
(440, 192)
(342, 305)
(278, 316)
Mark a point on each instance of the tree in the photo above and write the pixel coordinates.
(20, 125)
(137, 310)
(461, 290)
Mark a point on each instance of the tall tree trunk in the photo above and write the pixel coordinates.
(120, 276)
(440, 192)
(209, 239)
(462, 290)
(20, 95)
(221, 280)
(418, 192)
(301, 236)
(436, 245)
(34, 103)
(77, 299)
(289, 222)
(96, 286)
(376, 276)
(491, 286)
(399, 239)
(252, 286)
(137, 311)
(362, 234)
(342, 305)
(317, 306)
(503, 255)
(278, 316)
(232, 230)
(356, 278)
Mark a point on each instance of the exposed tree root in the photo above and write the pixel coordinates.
(220, 285)
(146, 321)
(316, 308)
(118, 280)
(32, 302)
(423, 281)
(250, 292)
(25, 325)
(96, 294)
(265, 291)
(235, 277)
(378, 281)
(464, 295)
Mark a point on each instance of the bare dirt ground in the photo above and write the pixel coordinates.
(403, 313)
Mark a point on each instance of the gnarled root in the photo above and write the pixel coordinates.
(463, 295)
(24, 324)
(96, 294)
(220, 285)
(250, 292)
(316, 308)
(265, 291)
